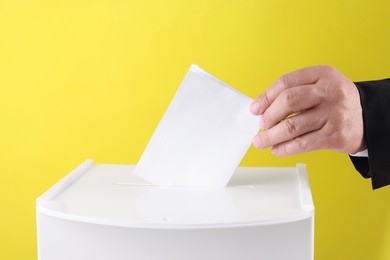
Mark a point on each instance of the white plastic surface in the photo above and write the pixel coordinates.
(203, 135)
(102, 211)
(110, 194)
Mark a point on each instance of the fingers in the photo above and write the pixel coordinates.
(290, 128)
(290, 101)
(299, 77)
(262, 102)
(305, 143)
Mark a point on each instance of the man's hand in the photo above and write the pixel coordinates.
(310, 109)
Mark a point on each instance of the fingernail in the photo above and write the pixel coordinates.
(261, 123)
(256, 141)
(274, 150)
(255, 107)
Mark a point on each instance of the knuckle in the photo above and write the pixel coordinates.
(290, 127)
(267, 99)
(326, 69)
(289, 97)
(301, 143)
(321, 91)
(282, 149)
(284, 80)
(264, 139)
(332, 70)
(341, 92)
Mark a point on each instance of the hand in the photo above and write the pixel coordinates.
(310, 109)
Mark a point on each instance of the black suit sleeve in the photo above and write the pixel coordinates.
(375, 101)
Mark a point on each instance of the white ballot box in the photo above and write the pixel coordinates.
(103, 211)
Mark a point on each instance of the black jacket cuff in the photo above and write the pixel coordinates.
(375, 101)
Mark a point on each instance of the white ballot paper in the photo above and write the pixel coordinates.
(203, 135)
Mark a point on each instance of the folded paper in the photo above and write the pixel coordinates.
(203, 135)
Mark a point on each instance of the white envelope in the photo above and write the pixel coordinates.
(203, 135)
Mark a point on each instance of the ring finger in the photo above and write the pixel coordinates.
(289, 128)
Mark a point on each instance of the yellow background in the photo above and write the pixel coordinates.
(91, 79)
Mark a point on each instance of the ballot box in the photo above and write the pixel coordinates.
(103, 211)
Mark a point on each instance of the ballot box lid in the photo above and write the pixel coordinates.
(109, 194)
